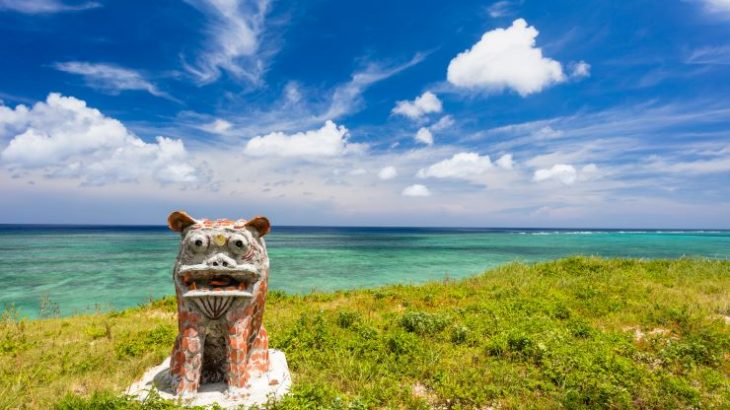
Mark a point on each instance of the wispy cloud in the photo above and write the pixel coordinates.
(717, 6)
(45, 6)
(501, 9)
(233, 45)
(701, 166)
(559, 165)
(710, 55)
(348, 97)
(111, 78)
(298, 108)
(647, 147)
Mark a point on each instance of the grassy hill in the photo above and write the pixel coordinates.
(574, 333)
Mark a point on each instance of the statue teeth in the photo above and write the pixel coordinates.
(214, 307)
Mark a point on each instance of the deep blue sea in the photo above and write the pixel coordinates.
(75, 269)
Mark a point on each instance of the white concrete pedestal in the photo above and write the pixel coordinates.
(273, 384)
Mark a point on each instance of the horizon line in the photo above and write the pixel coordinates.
(99, 225)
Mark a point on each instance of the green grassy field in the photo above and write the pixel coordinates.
(574, 333)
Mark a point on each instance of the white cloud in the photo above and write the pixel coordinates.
(717, 6)
(217, 126)
(416, 190)
(44, 6)
(562, 172)
(692, 167)
(328, 141)
(500, 9)
(424, 135)
(464, 165)
(292, 93)
(710, 56)
(388, 172)
(65, 138)
(579, 70)
(234, 31)
(588, 172)
(505, 161)
(427, 103)
(506, 58)
(348, 97)
(298, 107)
(110, 78)
(443, 123)
(565, 173)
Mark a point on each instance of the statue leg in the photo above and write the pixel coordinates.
(258, 361)
(186, 360)
(237, 374)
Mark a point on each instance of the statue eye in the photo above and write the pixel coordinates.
(238, 243)
(198, 243)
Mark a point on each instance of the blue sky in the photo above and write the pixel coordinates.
(408, 113)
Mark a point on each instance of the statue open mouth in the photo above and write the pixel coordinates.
(214, 289)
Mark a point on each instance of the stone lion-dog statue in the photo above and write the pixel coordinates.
(221, 278)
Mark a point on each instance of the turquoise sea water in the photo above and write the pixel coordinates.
(79, 269)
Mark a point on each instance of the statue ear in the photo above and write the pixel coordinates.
(179, 220)
(260, 224)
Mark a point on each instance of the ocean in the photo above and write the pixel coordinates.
(65, 270)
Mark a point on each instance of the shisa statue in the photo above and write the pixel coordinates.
(221, 278)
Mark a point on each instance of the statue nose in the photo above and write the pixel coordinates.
(220, 260)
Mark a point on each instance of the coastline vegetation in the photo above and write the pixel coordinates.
(580, 332)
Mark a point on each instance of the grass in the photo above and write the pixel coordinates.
(574, 333)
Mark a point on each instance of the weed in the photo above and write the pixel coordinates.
(134, 345)
(423, 323)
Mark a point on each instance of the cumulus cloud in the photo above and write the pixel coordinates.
(579, 70)
(45, 6)
(328, 141)
(388, 172)
(425, 104)
(65, 138)
(464, 165)
(110, 78)
(505, 161)
(416, 190)
(234, 31)
(424, 136)
(565, 173)
(506, 59)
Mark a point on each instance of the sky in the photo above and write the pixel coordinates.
(511, 113)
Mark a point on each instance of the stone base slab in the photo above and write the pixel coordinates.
(272, 385)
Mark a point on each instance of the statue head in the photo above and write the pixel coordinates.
(220, 262)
